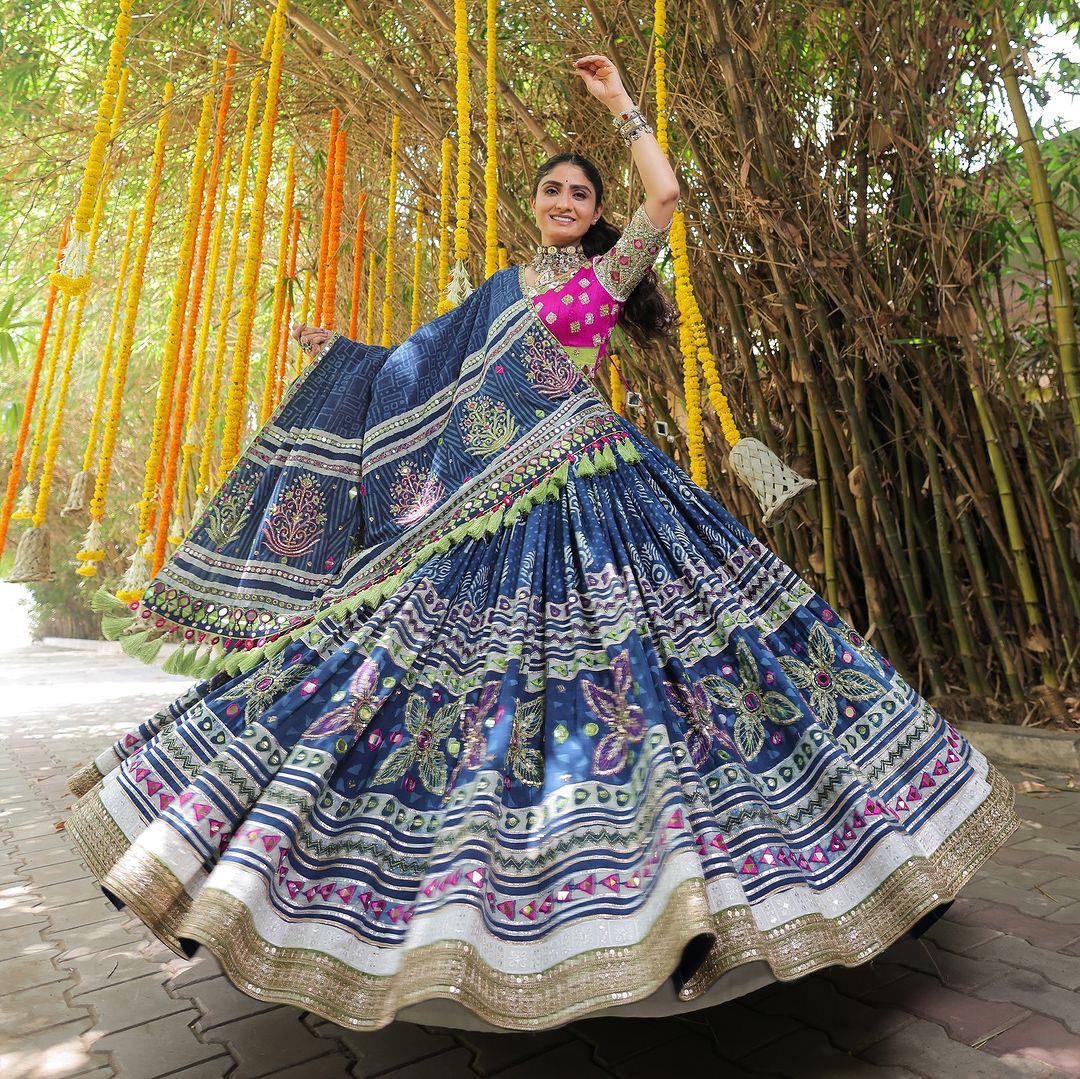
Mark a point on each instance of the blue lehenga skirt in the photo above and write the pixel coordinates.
(615, 756)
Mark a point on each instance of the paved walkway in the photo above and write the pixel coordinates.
(84, 991)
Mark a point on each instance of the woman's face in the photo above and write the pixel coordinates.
(564, 205)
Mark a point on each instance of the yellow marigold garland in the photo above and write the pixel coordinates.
(618, 388)
(73, 276)
(418, 255)
(333, 244)
(217, 373)
(238, 375)
(286, 320)
(279, 289)
(459, 286)
(31, 394)
(391, 216)
(369, 328)
(92, 546)
(491, 182)
(357, 265)
(444, 304)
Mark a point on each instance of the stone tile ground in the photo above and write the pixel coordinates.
(84, 990)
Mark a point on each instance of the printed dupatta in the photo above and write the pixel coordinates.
(376, 459)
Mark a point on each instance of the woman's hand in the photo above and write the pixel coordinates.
(310, 338)
(602, 80)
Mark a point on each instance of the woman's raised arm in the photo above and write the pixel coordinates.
(603, 81)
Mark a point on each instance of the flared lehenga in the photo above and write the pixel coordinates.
(616, 752)
(512, 723)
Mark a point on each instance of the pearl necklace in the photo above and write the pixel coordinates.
(553, 264)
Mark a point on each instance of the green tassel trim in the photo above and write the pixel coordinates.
(104, 602)
(176, 662)
(141, 645)
(132, 641)
(585, 468)
(114, 628)
(628, 451)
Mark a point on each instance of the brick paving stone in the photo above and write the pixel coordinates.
(96, 937)
(203, 966)
(328, 1067)
(1058, 863)
(266, 1042)
(17, 916)
(57, 1051)
(857, 982)
(38, 1008)
(572, 1058)
(959, 972)
(1063, 970)
(1031, 990)
(159, 1048)
(967, 1019)
(1042, 1039)
(957, 937)
(809, 1055)
(27, 971)
(99, 970)
(1064, 887)
(615, 1040)
(1069, 915)
(394, 1046)
(926, 1049)
(493, 1052)
(74, 890)
(1038, 931)
(848, 1024)
(1026, 900)
(220, 1001)
(25, 940)
(59, 873)
(453, 1064)
(141, 1000)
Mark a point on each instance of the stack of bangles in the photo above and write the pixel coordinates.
(631, 124)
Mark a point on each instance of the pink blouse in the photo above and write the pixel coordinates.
(582, 312)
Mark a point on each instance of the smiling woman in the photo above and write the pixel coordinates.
(500, 719)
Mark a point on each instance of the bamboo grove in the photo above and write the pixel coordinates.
(870, 272)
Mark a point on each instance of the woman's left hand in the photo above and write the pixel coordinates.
(601, 78)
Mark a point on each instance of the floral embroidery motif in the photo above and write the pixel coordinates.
(621, 268)
(475, 721)
(548, 369)
(523, 762)
(424, 749)
(263, 687)
(414, 494)
(625, 720)
(362, 704)
(295, 521)
(751, 704)
(692, 703)
(825, 680)
(487, 425)
(227, 515)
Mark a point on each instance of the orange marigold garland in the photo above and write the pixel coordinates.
(357, 266)
(92, 549)
(238, 375)
(73, 276)
(333, 242)
(328, 203)
(31, 393)
(279, 289)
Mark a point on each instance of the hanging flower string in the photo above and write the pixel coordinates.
(357, 265)
(369, 327)
(286, 321)
(444, 303)
(217, 373)
(491, 163)
(391, 217)
(329, 315)
(324, 226)
(418, 257)
(31, 393)
(238, 375)
(92, 549)
(73, 277)
(459, 286)
(270, 378)
(305, 310)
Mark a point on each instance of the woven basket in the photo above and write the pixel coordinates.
(82, 490)
(32, 557)
(776, 486)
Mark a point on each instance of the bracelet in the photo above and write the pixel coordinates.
(631, 124)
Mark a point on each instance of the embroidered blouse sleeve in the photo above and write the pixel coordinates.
(620, 269)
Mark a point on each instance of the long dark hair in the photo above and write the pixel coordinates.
(647, 313)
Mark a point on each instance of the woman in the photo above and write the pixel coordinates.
(510, 723)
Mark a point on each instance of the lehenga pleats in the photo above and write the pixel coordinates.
(615, 742)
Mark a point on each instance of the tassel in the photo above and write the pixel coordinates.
(460, 287)
(131, 642)
(32, 557)
(82, 489)
(585, 468)
(249, 659)
(113, 627)
(24, 508)
(104, 602)
(628, 451)
(776, 486)
(137, 575)
(178, 660)
(76, 254)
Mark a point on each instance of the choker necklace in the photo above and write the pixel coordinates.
(552, 263)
